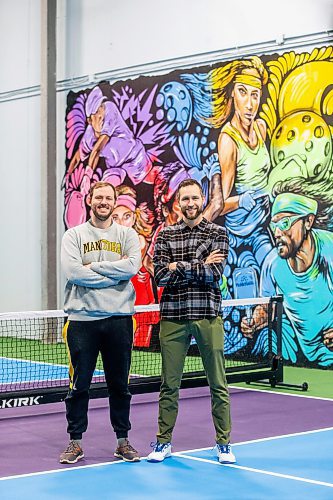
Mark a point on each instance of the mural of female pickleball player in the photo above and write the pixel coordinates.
(127, 213)
(230, 99)
(102, 146)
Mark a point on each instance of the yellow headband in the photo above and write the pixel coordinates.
(254, 81)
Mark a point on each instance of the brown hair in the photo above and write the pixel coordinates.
(101, 184)
(222, 81)
(189, 182)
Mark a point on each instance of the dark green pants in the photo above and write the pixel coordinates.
(175, 337)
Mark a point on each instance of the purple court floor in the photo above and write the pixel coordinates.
(32, 438)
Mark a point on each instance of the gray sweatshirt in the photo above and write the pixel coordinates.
(104, 289)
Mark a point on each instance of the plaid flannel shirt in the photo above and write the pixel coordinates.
(192, 291)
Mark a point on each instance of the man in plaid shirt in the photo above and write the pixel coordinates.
(189, 260)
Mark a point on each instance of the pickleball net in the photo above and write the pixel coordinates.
(34, 361)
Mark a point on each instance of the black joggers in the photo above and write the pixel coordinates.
(113, 338)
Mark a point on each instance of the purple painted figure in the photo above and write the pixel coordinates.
(108, 136)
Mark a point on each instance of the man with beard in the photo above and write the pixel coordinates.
(98, 259)
(301, 269)
(189, 260)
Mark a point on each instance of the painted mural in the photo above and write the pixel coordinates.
(256, 132)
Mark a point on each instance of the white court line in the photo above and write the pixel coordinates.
(69, 469)
(259, 440)
(276, 391)
(258, 471)
(18, 360)
(33, 362)
(28, 384)
(178, 453)
(100, 373)
(46, 363)
(30, 361)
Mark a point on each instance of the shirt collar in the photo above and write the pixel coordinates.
(201, 226)
(101, 229)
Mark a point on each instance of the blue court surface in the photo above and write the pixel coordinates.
(21, 371)
(297, 466)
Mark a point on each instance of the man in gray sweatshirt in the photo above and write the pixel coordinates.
(98, 259)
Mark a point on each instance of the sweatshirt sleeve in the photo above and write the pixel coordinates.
(126, 268)
(75, 271)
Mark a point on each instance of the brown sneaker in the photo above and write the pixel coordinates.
(127, 452)
(72, 454)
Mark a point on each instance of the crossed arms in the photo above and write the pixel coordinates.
(99, 274)
(201, 271)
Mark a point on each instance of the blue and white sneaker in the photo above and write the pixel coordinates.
(160, 452)
(224, 454)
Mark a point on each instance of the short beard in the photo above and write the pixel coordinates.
(193, 217)
(100, 217)
(291, 254)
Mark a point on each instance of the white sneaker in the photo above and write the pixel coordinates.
(224, 454)
(160, 452)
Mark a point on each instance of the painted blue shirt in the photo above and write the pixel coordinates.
(308, 296)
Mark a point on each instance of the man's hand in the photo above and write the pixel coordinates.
(248, 327)
(215, 257)
(328, 338)
(87, 265)
(256, 320)
(173, 266)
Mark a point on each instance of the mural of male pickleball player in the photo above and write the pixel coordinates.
(300, 268)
